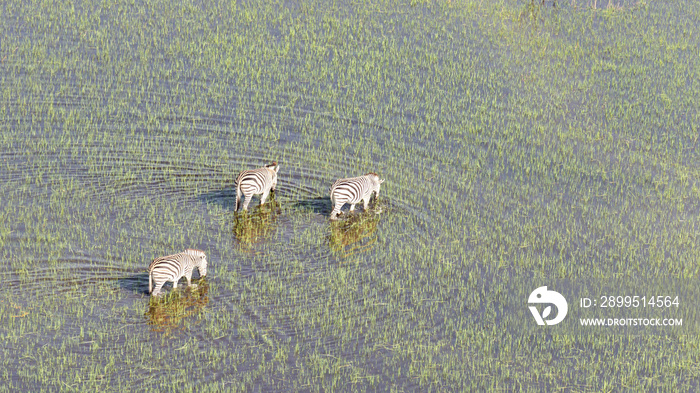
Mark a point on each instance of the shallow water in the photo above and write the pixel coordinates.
(512, 160)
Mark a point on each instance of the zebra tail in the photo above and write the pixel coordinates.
(238, 196)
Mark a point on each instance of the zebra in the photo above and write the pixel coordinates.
(354, 190)
(174, 267)
(256, 181)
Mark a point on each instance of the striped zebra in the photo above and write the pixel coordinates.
(256, 181)
(174, 267)
(354, 190)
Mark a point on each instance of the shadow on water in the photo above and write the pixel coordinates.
(138, 283)
(225, 198)
(170, 311)
(320, 205)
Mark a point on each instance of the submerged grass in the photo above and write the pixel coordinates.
(523, 145)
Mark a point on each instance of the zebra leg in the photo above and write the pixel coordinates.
(246, 201)
(189, 281)
(336, 211)
(156, 290)
(194, 286)
(365, 202)
(264, 197)
(352, 207)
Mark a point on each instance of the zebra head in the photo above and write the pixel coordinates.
(203, 266)
(376, 180)
(273, 168)
(200, 260)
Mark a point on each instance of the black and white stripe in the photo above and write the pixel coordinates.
(354, 190)
(256, 181)
(174, 267)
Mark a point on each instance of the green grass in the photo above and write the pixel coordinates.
(522, 145)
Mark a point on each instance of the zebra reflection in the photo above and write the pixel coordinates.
(177, 309)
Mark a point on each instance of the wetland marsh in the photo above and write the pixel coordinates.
(522, 145)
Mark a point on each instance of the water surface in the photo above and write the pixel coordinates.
(522, 145)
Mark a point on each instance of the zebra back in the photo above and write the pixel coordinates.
(256, 181)
(354, 189)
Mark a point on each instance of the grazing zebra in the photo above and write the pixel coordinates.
(354, 190)
(173, 267)
(256, 181)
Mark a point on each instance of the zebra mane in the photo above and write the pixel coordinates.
(194, 252)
